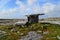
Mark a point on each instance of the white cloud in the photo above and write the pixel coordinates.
(57, 7)
(36, 9)
(48, 8)
(31, 2)
(29, 8)
(32, 7)
(52, 10)
(3, 3)
(21, 7)
(9, 11)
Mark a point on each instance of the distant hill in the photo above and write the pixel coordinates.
(50, 19)
(9, 21)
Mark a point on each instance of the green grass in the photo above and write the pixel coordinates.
(53, 30)
(18, 32)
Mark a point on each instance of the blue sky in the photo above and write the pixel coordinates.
(20, 8)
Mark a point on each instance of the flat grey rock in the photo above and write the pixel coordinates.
(32, 35)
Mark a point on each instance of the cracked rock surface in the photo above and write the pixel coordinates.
(32, 35)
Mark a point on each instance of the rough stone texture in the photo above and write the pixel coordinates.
(32, 35)
(3, 33)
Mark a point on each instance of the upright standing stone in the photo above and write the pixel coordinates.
(33, 18)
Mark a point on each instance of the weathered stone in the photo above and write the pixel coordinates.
(32, 35)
